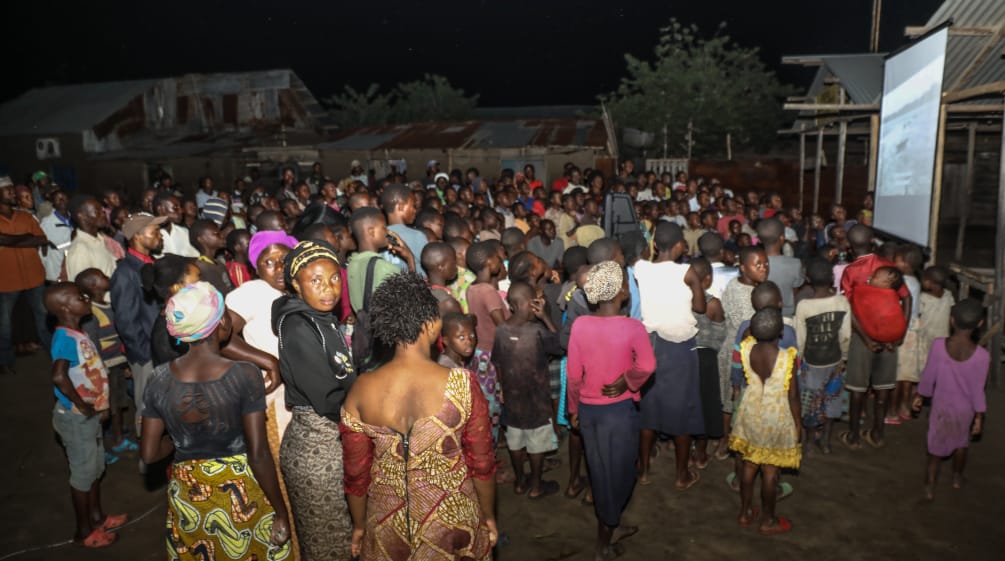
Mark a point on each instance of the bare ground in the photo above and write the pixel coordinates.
(847, 506)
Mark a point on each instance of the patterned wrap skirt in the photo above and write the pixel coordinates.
(217, 510)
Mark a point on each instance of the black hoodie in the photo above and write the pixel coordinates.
(314, 359)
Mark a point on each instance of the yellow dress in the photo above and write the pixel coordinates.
(763, 428)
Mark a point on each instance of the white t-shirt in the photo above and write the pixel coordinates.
(176, 242)
(253, 302)
(666, 300)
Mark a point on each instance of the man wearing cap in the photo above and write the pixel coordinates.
(144, 238)
(357, 173)
(40, 184)
(20, 240)
(89, 248)
(432, 168)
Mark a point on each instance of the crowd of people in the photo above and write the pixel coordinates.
(335, 365)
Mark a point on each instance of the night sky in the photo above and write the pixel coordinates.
(510, 52)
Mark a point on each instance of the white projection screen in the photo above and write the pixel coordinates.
(908, 132)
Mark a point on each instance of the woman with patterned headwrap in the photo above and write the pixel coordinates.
(608, 419)
(316, 365)
(224, 490)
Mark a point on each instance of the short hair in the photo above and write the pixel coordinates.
(520, 266)
(233, 237)
(478, 254)
(161, 198)
(767, 325)
(633, 245)
(77, 202)
(602, 249)
(168, 271)
(453, 226)
(667, 235)
(898, 277)
(433, 253)
(402, 306)
(702, 267)
(394, 194)
(520, 289)
(314, 231)
(747, 253)
(55, 294)
(426, 216)
(967, 314)
(936, 274)
(265, 217)
(85, 279)
(362, 218)
(710, 244)
(860, 238)
(315, 213)
(512, 239)
(765, 295)
(198, 228)
(457, 319)
(820, 272)
(911, 254)
(574, 258)
(770, 230)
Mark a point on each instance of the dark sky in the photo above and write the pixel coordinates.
(510, 52)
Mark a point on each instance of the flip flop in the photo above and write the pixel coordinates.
(783, 526)
(110, 458)
(547, 488)
(125, 446)
(729, 481)
(845, 438)
(892, 421)
(786, 490)
(114, 522)
(867, 437)
(755, 513)
(98, 538)
(696, 477)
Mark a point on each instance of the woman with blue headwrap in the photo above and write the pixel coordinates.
(223, 479)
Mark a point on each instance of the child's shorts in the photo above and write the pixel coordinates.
(867, 369)
(537, 441)
(909, 359)
(85, 450)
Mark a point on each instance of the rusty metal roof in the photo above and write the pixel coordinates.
(474, 135)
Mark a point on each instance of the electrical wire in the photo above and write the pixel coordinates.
(11, 555)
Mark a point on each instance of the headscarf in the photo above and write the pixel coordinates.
(603, 281)
(304, 253)
(264, 239)
(194, 312)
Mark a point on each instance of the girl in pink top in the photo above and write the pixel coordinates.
(610, 357)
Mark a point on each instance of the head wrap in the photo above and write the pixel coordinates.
(215, 209)
(304, 253)
(264, 239)
(194, 312)
(603, 281)
(39, 176)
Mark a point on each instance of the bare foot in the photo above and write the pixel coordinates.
(644, 479)
(957, 481)
(929, 493)
(610, 552)
(623, 532)
(749, 517)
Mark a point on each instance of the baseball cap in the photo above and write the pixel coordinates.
(443, 175)
(355, 164)
(137, 222)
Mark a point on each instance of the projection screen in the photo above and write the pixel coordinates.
(908, 132)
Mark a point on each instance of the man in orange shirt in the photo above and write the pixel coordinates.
(20, 238)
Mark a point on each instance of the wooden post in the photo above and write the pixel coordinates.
(968, 189)
(729, 147)
(690, 128)
(877, 7)
(933, 220)
(816, 170)
(839, 175)
(873, 150)
(802, 163)
(998, 308)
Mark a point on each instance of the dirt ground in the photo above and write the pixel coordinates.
(848, 506)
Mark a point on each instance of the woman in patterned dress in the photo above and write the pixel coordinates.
(419, 459)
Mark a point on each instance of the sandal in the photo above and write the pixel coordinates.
(731, 480)
(125, 446)
(892, 421)
(783, 526)
(98, 538)
(785, 490)
(110, 458)
(695, 478)
(867, 437)
(547, 488)
(114, 522)
(845, 438)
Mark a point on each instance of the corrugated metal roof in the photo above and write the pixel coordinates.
(67, 109)
(963, 51)
(473, 134)
(861, 75)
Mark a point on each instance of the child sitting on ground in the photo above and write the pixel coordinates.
(100, 327)
(878, 306)
(767, 427)
(520, 354)
(954, 378)
(81, 388)
(823, 333)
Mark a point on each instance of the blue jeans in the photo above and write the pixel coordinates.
(7, 301)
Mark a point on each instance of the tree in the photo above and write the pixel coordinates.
(429, 99)
(717, 85)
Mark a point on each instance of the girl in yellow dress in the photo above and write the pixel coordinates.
(766, 428)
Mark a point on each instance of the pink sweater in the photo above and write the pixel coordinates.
(600, 350)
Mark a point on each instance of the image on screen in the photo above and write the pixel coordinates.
(908, 132)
